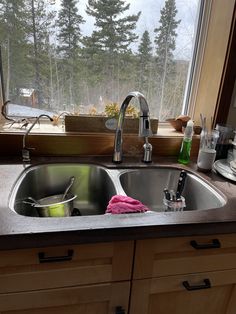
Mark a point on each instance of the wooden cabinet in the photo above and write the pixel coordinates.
(92, 299)
(182, 275)
(165, 295)
(82, 279)
(172, 256)
(185, 275)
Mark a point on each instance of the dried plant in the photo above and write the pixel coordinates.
(112, 110)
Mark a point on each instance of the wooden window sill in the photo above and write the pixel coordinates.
(47, 143)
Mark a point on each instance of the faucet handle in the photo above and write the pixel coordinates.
(147, 157)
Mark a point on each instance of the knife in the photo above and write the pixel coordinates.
(181, 182)
(167, 194)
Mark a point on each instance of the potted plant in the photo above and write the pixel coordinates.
(106, 122)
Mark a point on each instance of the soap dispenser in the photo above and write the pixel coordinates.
(184, 154)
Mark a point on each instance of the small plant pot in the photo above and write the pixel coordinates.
(102, 124)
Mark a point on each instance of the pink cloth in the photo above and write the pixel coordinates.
(120, 204)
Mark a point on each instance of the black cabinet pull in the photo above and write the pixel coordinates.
(119, 310)
(53, 259)
(206, 285)
(215, 244)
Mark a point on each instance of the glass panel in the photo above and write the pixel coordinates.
(80, 56)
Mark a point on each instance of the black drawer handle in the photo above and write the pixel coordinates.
(214, 245)
(119, 310)
(206, 285)
(53, 259)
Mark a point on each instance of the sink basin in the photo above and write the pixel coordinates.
(147, 185)
(93, 187)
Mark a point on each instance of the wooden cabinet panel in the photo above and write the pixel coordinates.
(22, 270)
(95, 278)
(167, 295)
(172, 256)
(93, 299)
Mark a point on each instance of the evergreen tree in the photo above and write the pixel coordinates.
(69, 22)
(112, 37)
(40, 21)
(69, 37)
(166, 36)
(114, 33)
(13, 37)
(144, 63)
(165, 46)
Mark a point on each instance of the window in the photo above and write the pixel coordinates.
(79, 56)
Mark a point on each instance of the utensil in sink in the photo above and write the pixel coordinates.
(60, 205)
(53, 206)
(181, 183)
(30, 200)
(172, 203)
(167, 194)
(71, 182)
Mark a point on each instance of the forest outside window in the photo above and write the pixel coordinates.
(82, 56)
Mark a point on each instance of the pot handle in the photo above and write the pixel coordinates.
(29, 200)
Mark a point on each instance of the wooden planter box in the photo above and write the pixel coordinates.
(101, 124)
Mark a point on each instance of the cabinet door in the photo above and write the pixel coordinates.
(94, 299)
(210, 293)
(184, 255)
(64, 266)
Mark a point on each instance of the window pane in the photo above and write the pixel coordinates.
(79, 56)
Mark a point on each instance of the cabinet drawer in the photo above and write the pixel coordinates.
(99, 299)
(50, 267)
(171, 256)
(167, 295)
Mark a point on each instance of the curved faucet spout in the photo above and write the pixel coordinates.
(144, 124)
(144, 109)
(25, 150)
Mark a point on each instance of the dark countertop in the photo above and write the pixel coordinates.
(18, 231)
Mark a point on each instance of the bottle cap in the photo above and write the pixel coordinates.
(188, 133)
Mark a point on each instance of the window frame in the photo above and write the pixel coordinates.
(216, 97)
(210, 77)
(227, 91)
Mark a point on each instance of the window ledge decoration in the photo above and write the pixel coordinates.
(103, 124)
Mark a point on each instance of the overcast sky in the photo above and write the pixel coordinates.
(187, 11)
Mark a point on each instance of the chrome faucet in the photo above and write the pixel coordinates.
(144, 128)
(25, 150)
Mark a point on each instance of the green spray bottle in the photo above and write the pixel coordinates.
(184, 154)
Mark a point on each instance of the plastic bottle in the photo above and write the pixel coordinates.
(184, 154)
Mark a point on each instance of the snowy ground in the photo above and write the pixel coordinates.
(25, 111)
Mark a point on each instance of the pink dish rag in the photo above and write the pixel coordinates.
(120, 204)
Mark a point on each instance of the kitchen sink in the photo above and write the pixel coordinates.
(94, 186)
(147, 185)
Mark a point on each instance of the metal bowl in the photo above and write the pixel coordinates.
(52, 206)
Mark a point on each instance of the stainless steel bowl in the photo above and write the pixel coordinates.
(53, 206)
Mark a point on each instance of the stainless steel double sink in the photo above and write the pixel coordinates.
(95, 185)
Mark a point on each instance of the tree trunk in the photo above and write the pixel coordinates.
(58, 99)
(36, 56)
(51, 78)
(8, 69)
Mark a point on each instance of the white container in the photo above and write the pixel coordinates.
(206, 158)
(207, 151)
